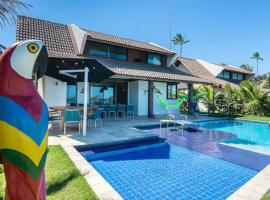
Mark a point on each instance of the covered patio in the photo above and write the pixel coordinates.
(96, 73)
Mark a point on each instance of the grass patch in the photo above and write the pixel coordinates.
(247, 117)
(266, 196)
(2, 181)
(63, 179)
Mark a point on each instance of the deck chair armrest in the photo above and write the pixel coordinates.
(170, 117)
(184, 116)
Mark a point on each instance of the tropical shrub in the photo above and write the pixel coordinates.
(255, 99)
(221, 103)
(227, 105)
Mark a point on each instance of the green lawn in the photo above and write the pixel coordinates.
(64, 181)
(248, 117)
(266, 196)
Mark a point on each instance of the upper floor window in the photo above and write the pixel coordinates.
(119, 53)
(108, 51)
(99, 49)
(234, 76)
(171, 91)
(224, 74)
(237, 76)
(154, 59)
(240, 77)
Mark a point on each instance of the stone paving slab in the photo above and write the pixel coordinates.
(255, 188)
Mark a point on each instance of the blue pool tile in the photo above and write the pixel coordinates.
(208, 142)
(178, 173)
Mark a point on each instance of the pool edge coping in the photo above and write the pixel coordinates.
(255, 188)
(99, 185)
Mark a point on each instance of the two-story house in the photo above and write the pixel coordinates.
(121, 71)
(219, 74)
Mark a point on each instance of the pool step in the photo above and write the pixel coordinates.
(121, 144)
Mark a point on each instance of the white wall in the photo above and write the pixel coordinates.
(54, 92)
(143, 98)
(157, 108)
(182, 86)
(138, 96)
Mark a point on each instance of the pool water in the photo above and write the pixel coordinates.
(166, 171)
(248, 133)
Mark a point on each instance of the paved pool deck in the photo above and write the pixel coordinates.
(113, 129)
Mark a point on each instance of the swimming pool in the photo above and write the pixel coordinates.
(247, 133)
(167, 171)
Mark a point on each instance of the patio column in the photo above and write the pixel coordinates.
(190, 100)
(86, 71)
(150, 99)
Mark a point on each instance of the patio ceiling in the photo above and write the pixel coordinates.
(102, 68)
(97, 72)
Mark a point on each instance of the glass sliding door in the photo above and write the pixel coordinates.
(101, 94)
(71, 94)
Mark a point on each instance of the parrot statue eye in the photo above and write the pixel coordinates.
(33, 47)
(29, 57)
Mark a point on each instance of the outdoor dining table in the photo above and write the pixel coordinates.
(61, 110)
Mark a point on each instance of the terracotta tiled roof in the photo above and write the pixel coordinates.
(59, 43)
(236, 69)
(195, 67)
(199, 70)
(55, 36)
(57, 54)
(92, 35)
(141, 70)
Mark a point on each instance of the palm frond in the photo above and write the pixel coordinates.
(9, 9)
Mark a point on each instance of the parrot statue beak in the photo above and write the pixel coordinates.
(39, 70)
(29, 59)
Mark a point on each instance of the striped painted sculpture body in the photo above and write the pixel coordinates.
(23, 120)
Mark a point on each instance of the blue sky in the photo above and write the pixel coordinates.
(220, 31)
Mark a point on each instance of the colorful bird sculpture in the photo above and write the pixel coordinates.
(23, 120)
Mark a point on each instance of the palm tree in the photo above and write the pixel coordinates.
(207, 91)
(208, 95)
(255, 99)
(2, 47)
(247, 67)
(179, 39)
(9, 9)
(257, 57)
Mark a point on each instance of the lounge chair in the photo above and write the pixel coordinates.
(54, 116)
(105, 110)
(121, 109)
(196, 110)
(112, 109)
(96, 117)
(130, 110)
(175, 115)
(72, 117)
